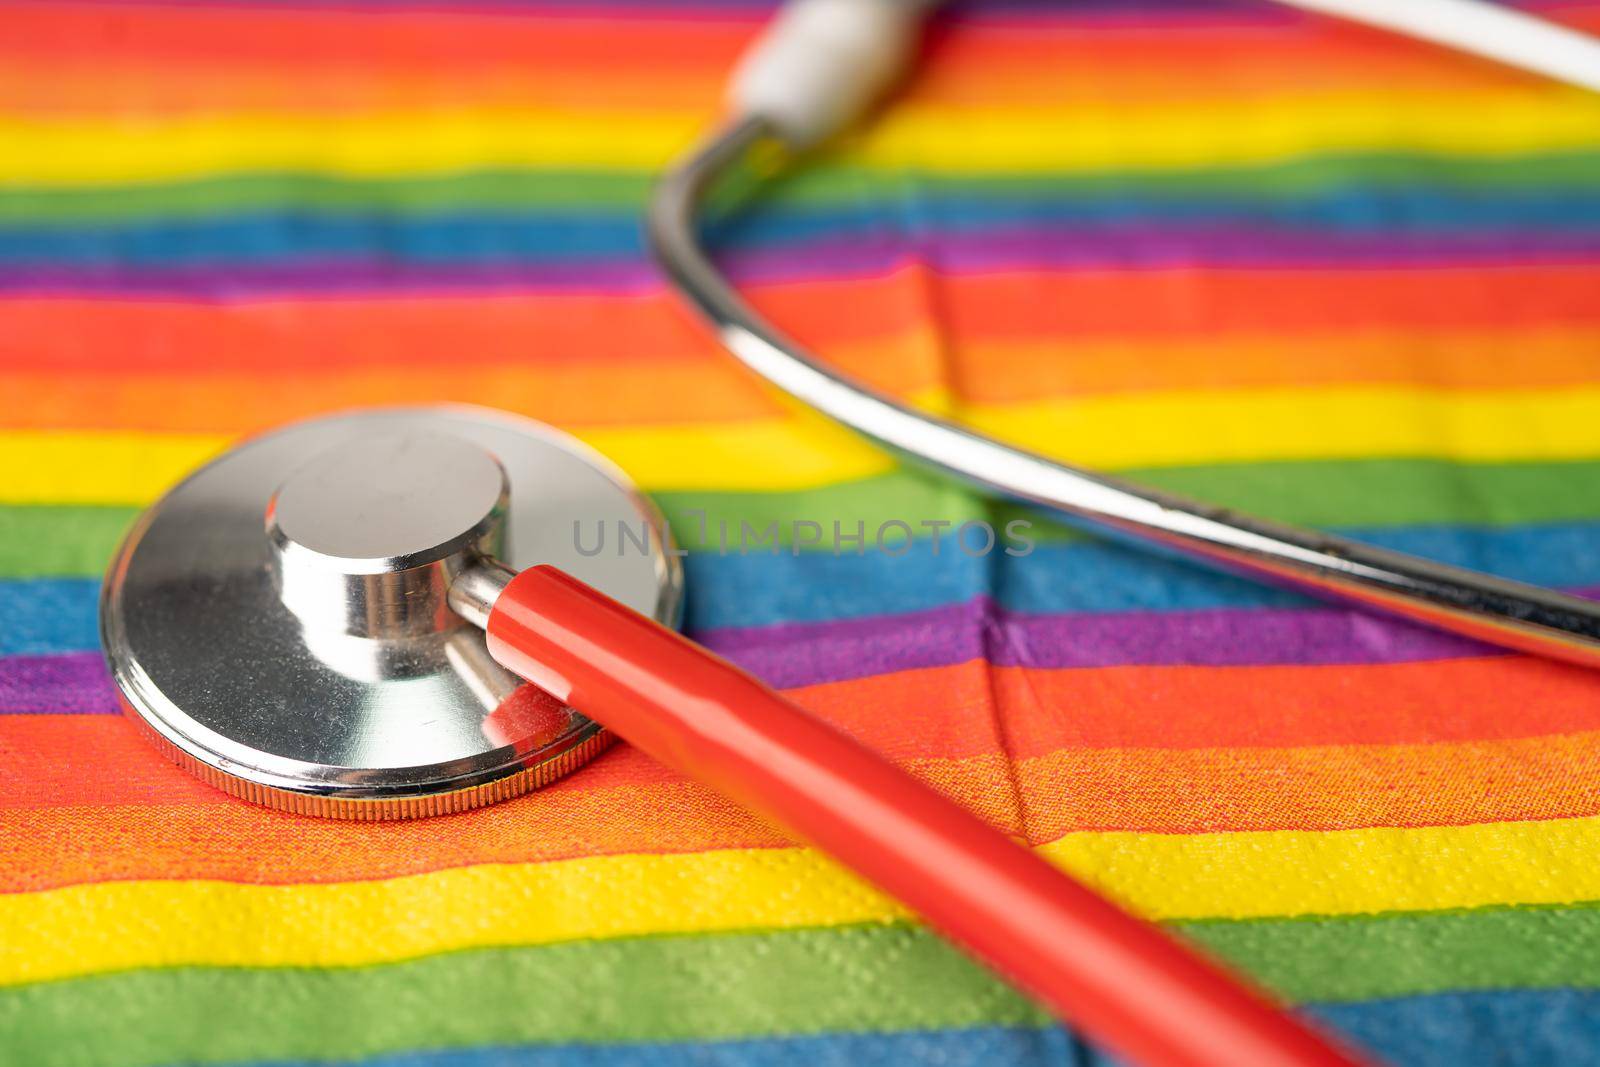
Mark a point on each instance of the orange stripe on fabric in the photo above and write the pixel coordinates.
(716, 388)
(943, 711)
(229, 840)
(156, 59)
(54, 335)
(607, 394)
(1493, 698)
(187, 830)
(306, 38)
(1011, 307)
(1182, 303)
(47, 762)
(1021, 335)
(946, 712)
(998, 372)
(1311, 789)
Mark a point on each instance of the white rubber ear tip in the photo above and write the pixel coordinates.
(822, 64)
(1492, 30)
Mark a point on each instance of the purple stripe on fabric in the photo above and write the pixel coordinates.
(1148, 247)
(75, 683)
(800, 654)
(808, 654)
(795, 654)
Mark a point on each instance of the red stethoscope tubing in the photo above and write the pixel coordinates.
(1122, 981)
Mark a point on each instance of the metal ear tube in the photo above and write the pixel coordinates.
(774, 108)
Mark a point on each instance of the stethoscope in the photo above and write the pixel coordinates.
(338, 618)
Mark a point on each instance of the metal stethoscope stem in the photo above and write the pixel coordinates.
(1512, 614)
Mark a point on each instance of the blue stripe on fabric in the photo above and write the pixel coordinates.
(42, 616)
(545, 237)
(1087, 576)
(1498, 1028)
(988, 1047)
(49, 615)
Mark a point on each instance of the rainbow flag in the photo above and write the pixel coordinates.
(1260, 257)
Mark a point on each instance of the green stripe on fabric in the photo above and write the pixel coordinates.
(38, 541)
(627, 190)
(45, 541)
(850, 979)
(1393, 492)
(1371, 957)
(671, 988)
(1352, 493)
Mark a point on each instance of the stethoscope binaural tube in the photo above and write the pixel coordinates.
(823, 63)
(1122, 981)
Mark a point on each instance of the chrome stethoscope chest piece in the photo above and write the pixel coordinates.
(278, 621)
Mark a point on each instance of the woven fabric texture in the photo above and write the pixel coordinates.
(1247, 254)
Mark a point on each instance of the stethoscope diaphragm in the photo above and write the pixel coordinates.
(277, 621)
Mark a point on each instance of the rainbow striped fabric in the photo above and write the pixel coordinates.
(1260, 257)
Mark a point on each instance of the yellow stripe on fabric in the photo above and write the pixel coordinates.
(118, 925)
(79, 151)
(1080, 137)
(1256, 875)
(803, 451)
(67, 467)
(1200, 133)
(1343, 422)
(92, 467)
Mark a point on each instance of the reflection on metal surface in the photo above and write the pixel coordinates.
(279, 620)
(1512, 614)
(368, 535)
